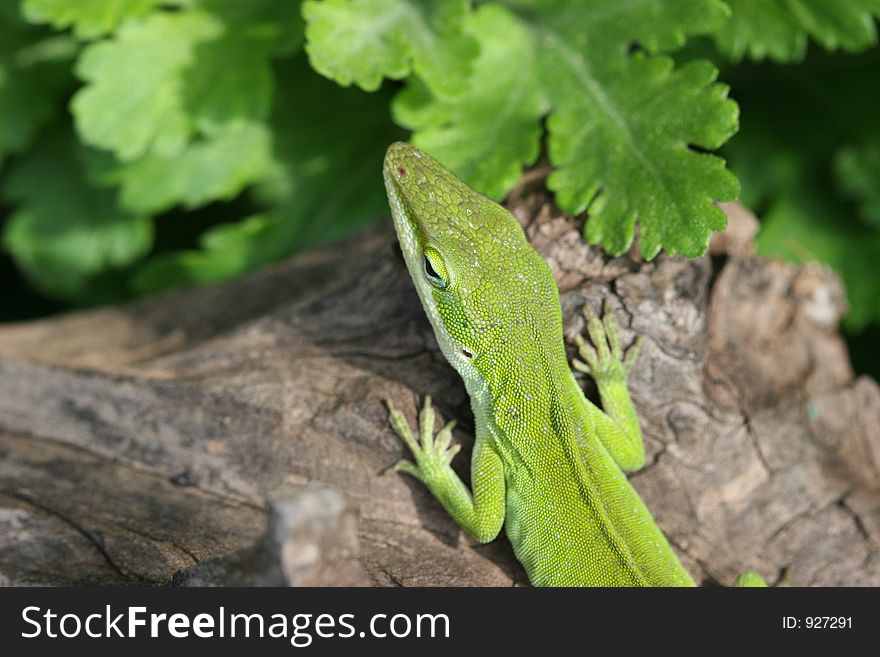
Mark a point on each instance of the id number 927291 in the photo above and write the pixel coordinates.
(817, 622)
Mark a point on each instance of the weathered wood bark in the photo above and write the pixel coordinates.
(139, 443)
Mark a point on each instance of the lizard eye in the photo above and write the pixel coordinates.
(435, 270)
(429, 269)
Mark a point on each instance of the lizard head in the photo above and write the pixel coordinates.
(483, 286)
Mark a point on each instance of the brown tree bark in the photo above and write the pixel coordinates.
(140, 443)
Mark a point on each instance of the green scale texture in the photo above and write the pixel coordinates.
(547, 461)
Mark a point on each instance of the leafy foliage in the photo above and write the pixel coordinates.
(34, 73)
(361, 42)
(66, 230)
(808, 164)
(144, 65)
(321, 182)
(778, 29)
(858, 174)
(501, 102)
(619, 126)
(122, 122)
(89, 18)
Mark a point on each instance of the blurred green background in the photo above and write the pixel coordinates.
(147, 144)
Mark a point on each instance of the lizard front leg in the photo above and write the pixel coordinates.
(481, 514)
(618, 426)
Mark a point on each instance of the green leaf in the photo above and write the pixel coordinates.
(779, 29)
(626, 132)
(216, 168)
(613, 26)
(858, 175)
(89, 18)
(491, 130)
(271, 25)
(329, 146)
(805, 124)
(227, 250)
(363, 41)
(34, 75)
(195, 131)
(64, 230)
(230, 80)
(134, 101)
(630, 137)
(325, 181)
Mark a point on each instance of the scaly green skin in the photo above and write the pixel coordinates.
(546, 461)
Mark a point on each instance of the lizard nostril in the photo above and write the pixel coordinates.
(401, 172)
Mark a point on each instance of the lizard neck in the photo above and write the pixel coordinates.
(530, 398)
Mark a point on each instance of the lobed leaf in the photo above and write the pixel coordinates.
(88, 18)
(34, 75)
(363, 41)
(198, 88)
(226, 251)
(492, 129)
(134, 99)
(613, 26)
(324, 181)
(215, 168)
(627, 133)
(624, 152)
(779, 29)
(65, 230)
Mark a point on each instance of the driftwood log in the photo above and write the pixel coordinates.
(144, 444)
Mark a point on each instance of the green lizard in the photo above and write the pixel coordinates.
(547, 463)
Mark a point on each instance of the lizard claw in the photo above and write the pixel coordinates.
(429, 451)
(604, 358)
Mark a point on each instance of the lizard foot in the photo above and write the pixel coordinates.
(431, 453)
(605, 359)
(750, 579)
